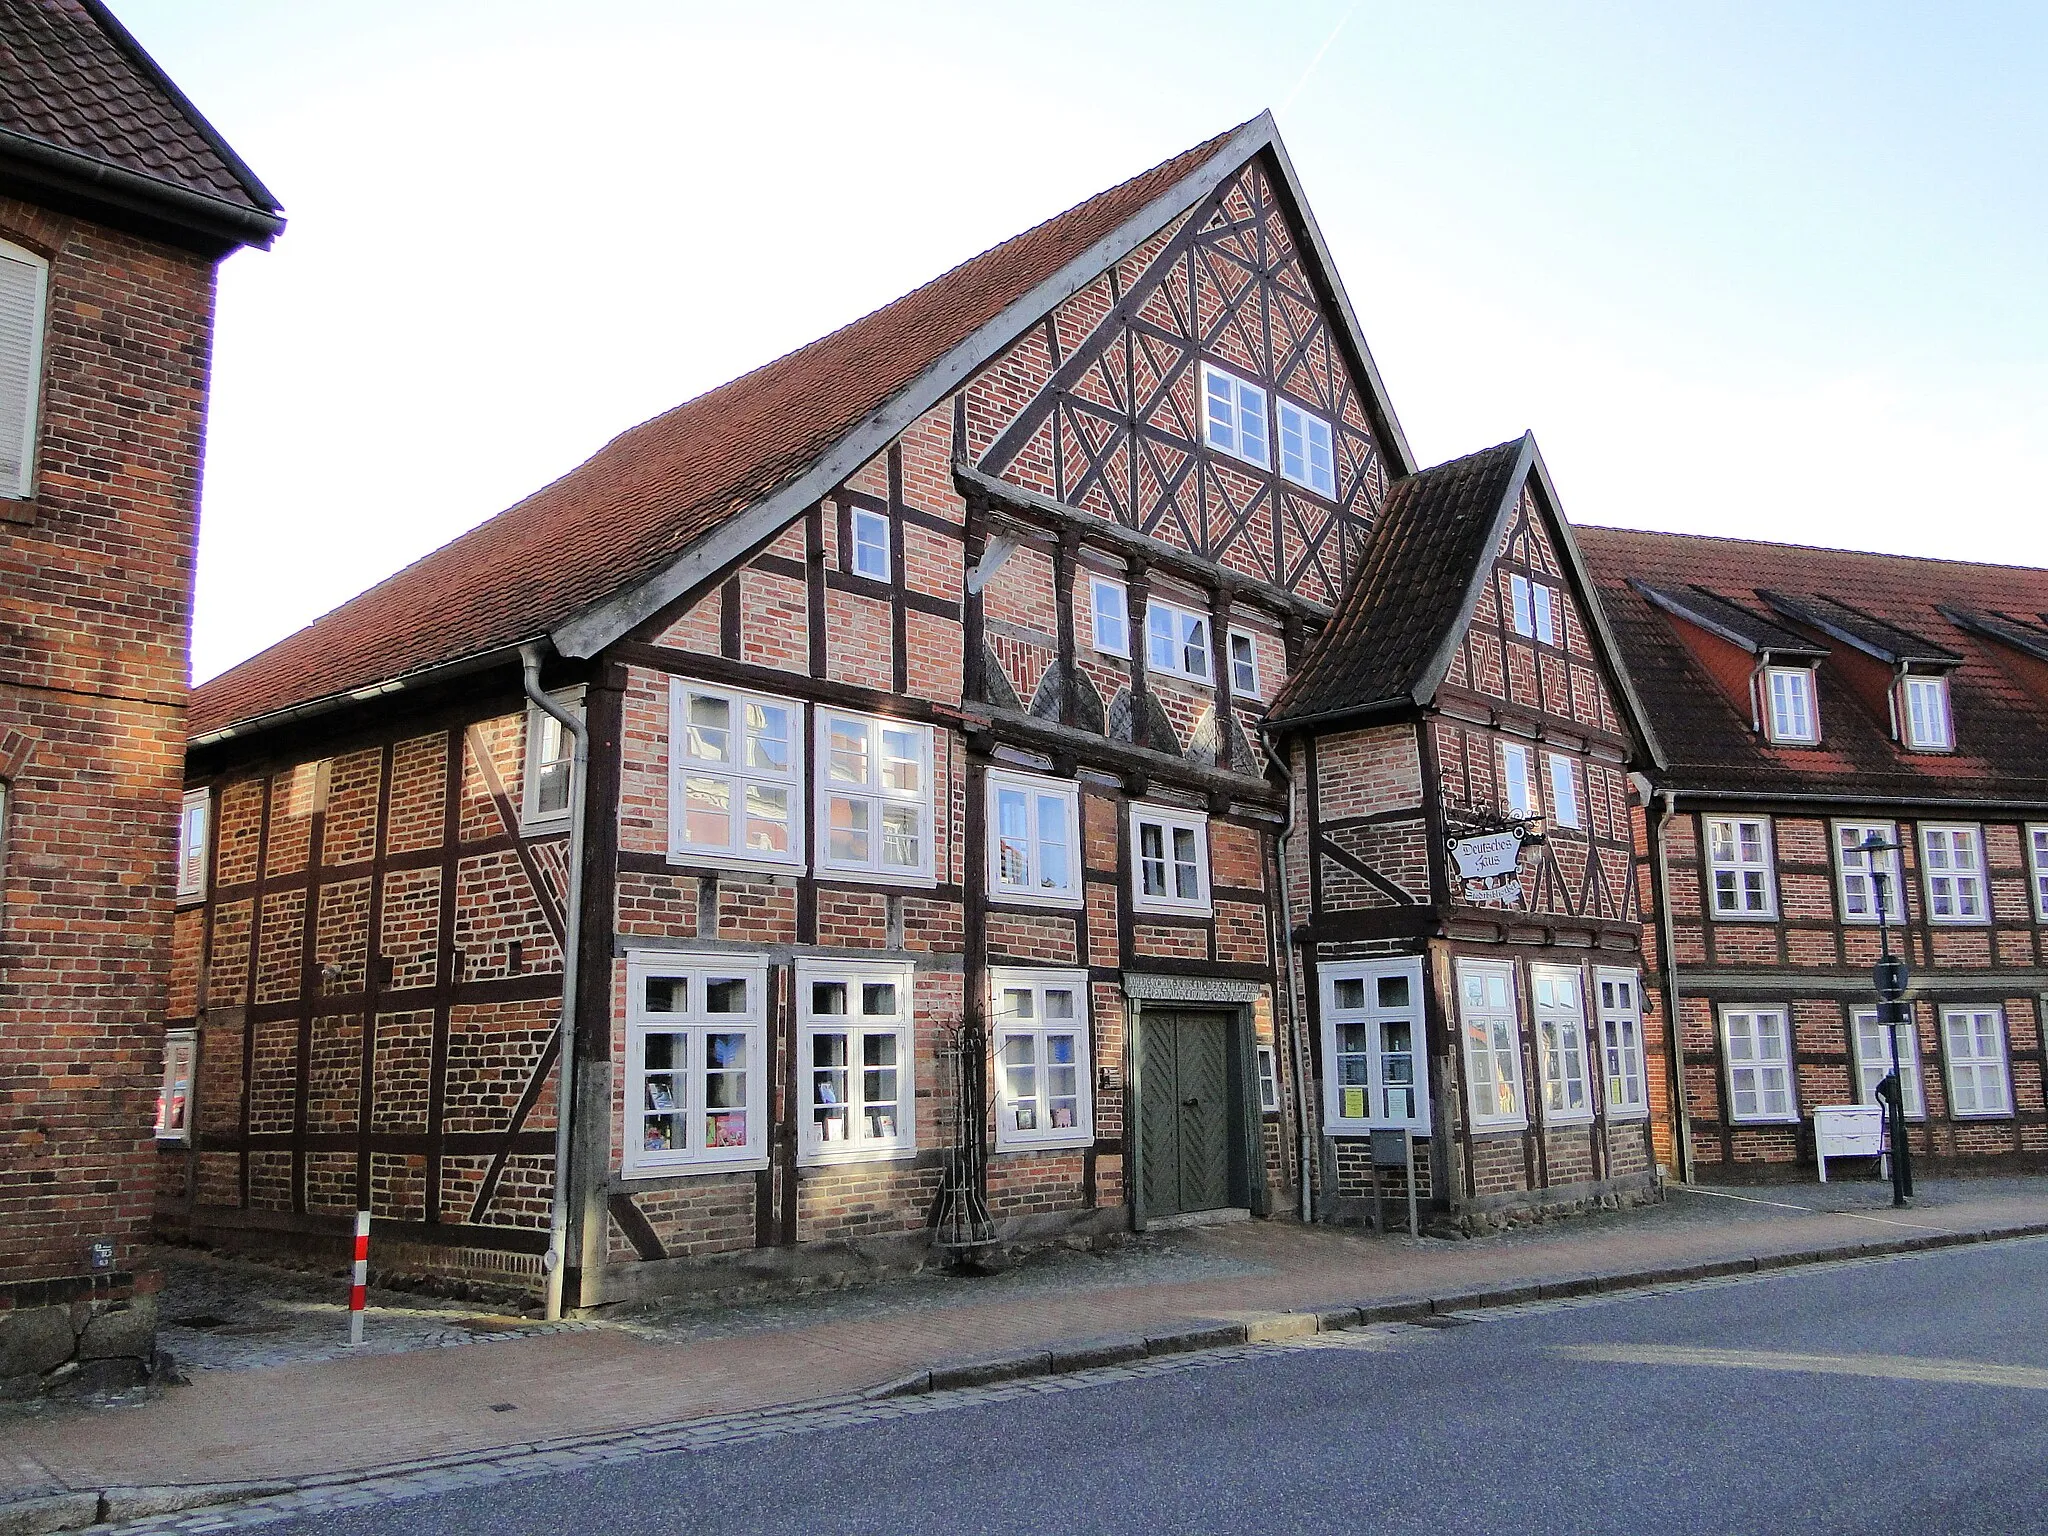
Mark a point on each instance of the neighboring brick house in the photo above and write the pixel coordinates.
(117, 202)
(1462, 865)
(1806, 700)
(919, 883)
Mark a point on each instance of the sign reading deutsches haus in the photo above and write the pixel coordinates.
(1489, 857)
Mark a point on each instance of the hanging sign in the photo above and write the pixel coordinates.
(1488, 857)
(1488, 861)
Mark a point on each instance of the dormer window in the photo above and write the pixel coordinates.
(1928, 727)
(1792, 715)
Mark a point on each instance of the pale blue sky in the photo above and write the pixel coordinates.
(1772, 271)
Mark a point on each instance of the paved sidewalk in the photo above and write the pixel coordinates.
(286, 1421)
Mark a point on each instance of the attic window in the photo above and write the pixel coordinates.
(1928, 727)
(1534, 609)
(23, 278)
(1791, 716)
(1234, 416)
(1305, 450)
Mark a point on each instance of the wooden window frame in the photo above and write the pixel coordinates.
(1808, 694)
(24, 486)
(195, 830)
(1100, 587)
(181, 1072)
(1183, 623)
(1241, 409)
(1530, 799)
(1371, 1016)
(1616, 1054)
(2037, 867)
(1561, 1042)
(1871, 1069)
(1727, 1014)
(1767, 865)
(533, 821)
(1956, 1065)
(861, 1144)
(858, 548)
(1853, 877)
(1303, 425)
(1566, 809)
(1047, 1137)
(1496, 1050)
(737, 777)
(1035, 788)
(1978, 876)
(1911, 683)
(1239, 688)
(1170, 819)
(879, 797)
(695, 1023)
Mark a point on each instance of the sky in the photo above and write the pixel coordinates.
(1760, 270)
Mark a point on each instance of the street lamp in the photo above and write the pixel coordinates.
(1890, 976)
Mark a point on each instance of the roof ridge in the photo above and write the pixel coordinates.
(1603, 529)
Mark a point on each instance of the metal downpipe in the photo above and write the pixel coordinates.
(1301, 1077)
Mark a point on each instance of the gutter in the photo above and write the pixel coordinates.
(1849, 800)
(253, 725)
(1301, 1076)
(217, 217)
(1681, 1119)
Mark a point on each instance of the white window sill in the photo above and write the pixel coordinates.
(1180, 677)
(1562, 1118)
(1958, 922)
(552, 826)
(170, 1143)
(684, 1170)
(1978, 1114)
(1103, 650)
(913, 879)
(685, 857)
(1158, 908)
(1077, 1142)
(1745, 917)
(1766, 1120)
(1336, 1127)
(1493, 1127)
(189, 899)
(1627, 1114)
(824, 1159)
(998, 896)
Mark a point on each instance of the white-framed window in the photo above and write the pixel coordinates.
(1491, 1029)
(1855, 867)
(1040, 1032)
(870, 555)
(1620, 995)
(1517, 785)
(856, 1045)
(193, 820)
(1034, 839)
(1521, 605)
(174, 1096)
(1928, 725)
(735, 776)
(1234, 416)
(544, 802)
(1110, 616)
(1244, 666)
(1561, 1043)
(1792, 716)
(1376, 1070)
(1564, 790)
(1269, 1081)
(1177, 641)
(1739, 866)
(2037, 866)
(1758, 1042)
(1169, 860)
(874, 796)
(1874, 1059)
(1952, 863)
(1306, 455)
(1544, 602)
(1975, 1041)
(696, 1063)
(24, 282)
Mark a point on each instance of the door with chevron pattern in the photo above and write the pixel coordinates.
(1184, 1111)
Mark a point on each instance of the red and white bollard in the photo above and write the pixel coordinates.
(358, 1291)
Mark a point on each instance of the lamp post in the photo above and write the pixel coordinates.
(1890, 976)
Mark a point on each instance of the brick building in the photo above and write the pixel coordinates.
(117, 202)
(1808, 700)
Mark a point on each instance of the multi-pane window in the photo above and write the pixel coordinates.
(1305, 453)
(1517, 791)
(1758, 1042)
(1859, 871)
(1492, 1033)
(174, 1096)
(550, 767)
(1269, 1081)
(1034, 839)
(1234, 416)
(1739, 866)
(1244, 666)
(854, 1021)
(870, 544)
(2037, 854)
(1169, 860)
(1564, 791)
(1792, 715)
(1561, 1042)
(1521, 605)
(1110, 617)
(735, 776)
(1952, 864)
(192, 825)
(1621, 1042)
(24, 277)
(1378, 1073)
(874, 795)
(1928, 726)
(1177, 641)
(1040, 1032)
(1543, 601)
(1975, 1041)
(696, 1064)
(1874, 1059)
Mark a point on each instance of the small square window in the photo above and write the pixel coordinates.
(870, 544)
(1928, 726)
(1305, 451)
(1244, 666)
(1234, 416)
(1792, 716)
(735, 776)
(1109, 618)
(1169, 860)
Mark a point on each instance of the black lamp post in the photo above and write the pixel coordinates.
(1890, 976)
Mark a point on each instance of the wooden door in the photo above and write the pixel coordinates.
(1184, 1111)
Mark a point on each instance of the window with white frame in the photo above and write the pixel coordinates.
(1874, 1059)
(1376, 1072)
(1518, 791)
(1306, 456)
(1858, 871)
(2037, 854)
(1169, 860)
(696, 1064)
(1521, 605)
(24, 281)
(1791, 716)
(1177, 641)
(1952, 864)
(1564, 791)
(1034, 839)
(1621, 1042)
(1269, 1081)
(735, 768)
(174, 1096)
(1558, 991)
(855, 1040)
(1234, 416)
(1758, 1044)
(544, 802)
(870, 556)
(1975, 1041)
(193, 819)
(874, 795)
(1492, 1034)
(1928, 725)
(1544, 603)
(1739, 866)
(1109, 617)
(1040, 1032)
(1244, 666)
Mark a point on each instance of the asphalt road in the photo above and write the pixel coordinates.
(1908, 1395)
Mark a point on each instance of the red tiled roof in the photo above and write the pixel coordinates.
(2001, 728)
(638, 502)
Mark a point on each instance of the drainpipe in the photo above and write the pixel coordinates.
(1674, 1035)
(1758, 704)
(1301, 1082)
(556, 1261)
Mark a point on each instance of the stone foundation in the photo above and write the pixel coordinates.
(88, 1335)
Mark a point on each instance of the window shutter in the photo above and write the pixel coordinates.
(21, 335)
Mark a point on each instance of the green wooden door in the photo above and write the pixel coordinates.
(1183, 1111)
